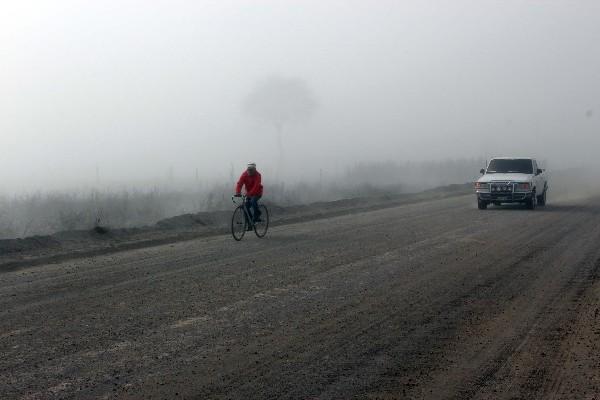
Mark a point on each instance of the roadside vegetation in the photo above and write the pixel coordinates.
(44, 213)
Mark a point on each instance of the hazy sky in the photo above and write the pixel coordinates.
(137, 87)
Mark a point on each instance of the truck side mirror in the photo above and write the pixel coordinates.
(539, 171)
(482, 171)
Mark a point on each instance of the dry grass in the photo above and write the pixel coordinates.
(46, 213)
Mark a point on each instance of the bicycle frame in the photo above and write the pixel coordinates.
(245, 208)
(259, 227)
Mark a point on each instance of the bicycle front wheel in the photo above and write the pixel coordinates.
(260, 227)
(238, 223)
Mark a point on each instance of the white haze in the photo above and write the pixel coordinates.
(135, 89)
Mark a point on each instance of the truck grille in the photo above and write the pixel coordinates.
(503, 192)
(502, 188)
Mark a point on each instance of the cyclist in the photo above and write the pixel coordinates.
(251, 179)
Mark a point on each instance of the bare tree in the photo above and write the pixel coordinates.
(280, 101)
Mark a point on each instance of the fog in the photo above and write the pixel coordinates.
(135, 92)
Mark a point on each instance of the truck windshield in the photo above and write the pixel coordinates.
(503, 166)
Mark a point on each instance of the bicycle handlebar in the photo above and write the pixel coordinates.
(243, 197)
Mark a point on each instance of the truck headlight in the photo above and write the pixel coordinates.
(481, 186)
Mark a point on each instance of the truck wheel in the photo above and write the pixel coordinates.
(482, 205)
(531, 202)
(541, 200)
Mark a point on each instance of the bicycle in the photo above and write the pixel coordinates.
(241, 220)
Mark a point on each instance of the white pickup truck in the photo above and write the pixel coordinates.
(511, 180)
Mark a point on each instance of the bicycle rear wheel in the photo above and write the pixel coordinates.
(238, 223)
(261, 227)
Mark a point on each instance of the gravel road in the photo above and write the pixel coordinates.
(434, 300)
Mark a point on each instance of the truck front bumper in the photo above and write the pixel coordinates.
(513, 197)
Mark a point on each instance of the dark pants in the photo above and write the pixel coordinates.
(252, 207)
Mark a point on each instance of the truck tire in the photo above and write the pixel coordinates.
(541, 200)
(482, 205)
(531, 203)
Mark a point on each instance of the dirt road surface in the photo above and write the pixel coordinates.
(435, 300)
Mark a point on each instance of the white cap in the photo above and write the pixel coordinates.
(251, 165)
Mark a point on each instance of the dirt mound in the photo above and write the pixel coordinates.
(198, 220)
(99, 240)
(100, 230)
(9, 246)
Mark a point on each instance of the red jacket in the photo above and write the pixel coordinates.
(252, 182)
